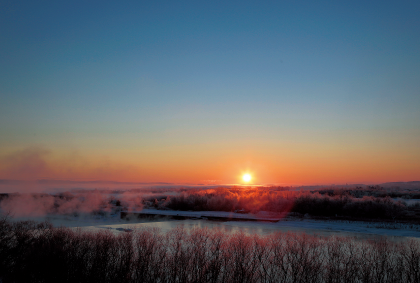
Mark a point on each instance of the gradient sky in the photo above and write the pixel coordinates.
(295, 92)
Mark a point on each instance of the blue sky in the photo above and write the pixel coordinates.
(142, 74)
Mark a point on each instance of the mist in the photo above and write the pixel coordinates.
(359, 202)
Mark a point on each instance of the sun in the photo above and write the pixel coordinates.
(246, 177)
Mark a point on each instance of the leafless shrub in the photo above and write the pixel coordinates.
(31, 252)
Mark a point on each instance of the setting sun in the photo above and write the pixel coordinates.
(246, 177)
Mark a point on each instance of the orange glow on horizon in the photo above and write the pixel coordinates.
(194, 165)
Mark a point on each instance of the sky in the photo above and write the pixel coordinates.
(200, 92)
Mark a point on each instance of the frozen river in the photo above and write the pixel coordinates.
(325, 228)
(310, 226)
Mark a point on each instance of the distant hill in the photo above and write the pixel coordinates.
(402, 185)
(413, 185)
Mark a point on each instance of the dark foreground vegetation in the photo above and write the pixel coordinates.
(31, 252)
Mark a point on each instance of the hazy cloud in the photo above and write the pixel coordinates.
(35, 163)
(25, 164)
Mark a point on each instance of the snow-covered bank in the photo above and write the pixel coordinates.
(260, 216)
